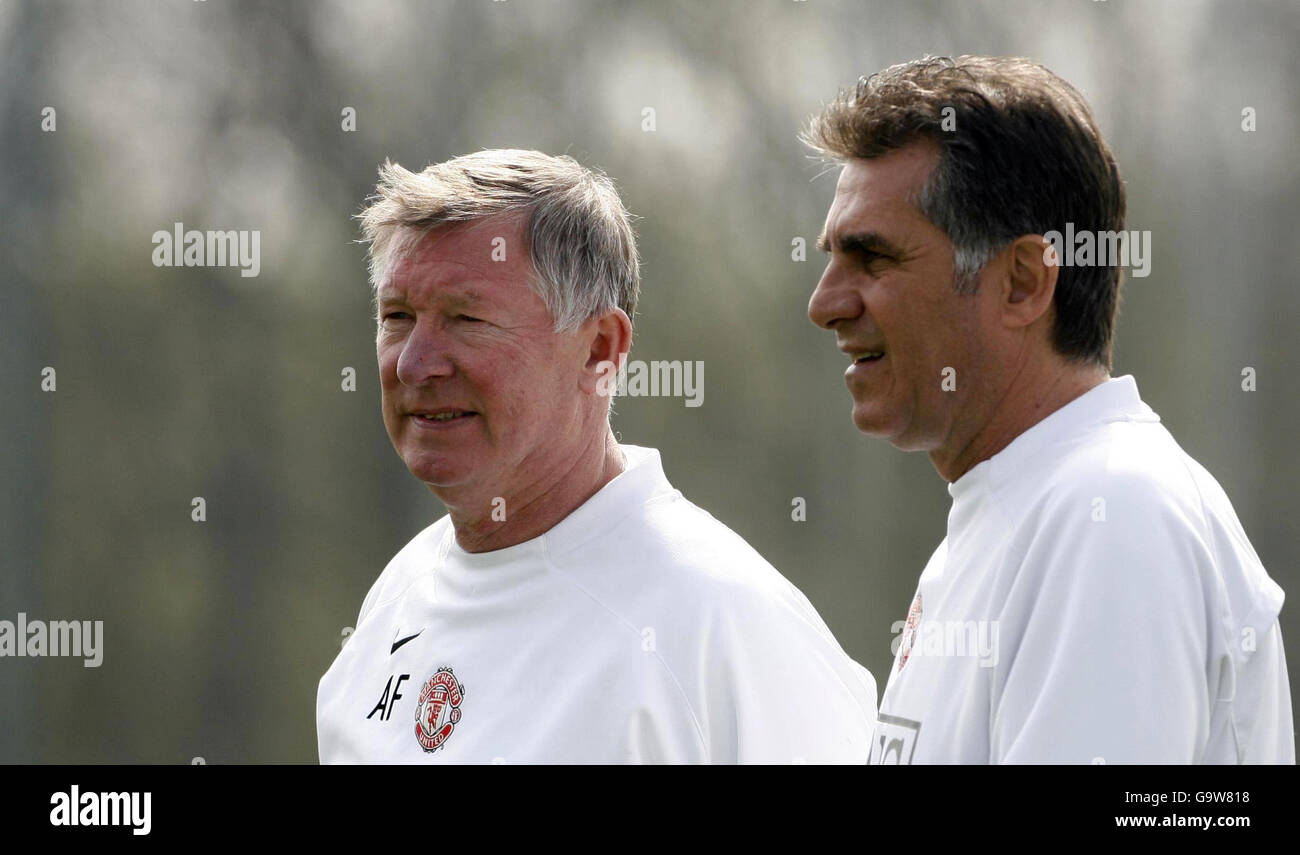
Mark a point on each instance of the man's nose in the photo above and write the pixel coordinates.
(833, 300)
(426, 355)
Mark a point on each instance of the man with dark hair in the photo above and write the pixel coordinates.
(1096, 599)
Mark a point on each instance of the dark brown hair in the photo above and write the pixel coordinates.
(1020, 154)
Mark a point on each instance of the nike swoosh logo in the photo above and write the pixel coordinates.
(401, 641)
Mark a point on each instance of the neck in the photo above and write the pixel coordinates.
(1026, 400)
(540, 503)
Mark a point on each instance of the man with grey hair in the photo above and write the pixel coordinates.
(572, 606)
(1096, 599)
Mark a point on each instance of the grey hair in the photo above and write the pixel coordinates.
(579, 236)
(972, 247)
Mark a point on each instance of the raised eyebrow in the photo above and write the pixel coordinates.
(384, 301)
(470, 296)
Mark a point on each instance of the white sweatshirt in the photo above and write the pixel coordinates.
(639, 629)
(1095, 601)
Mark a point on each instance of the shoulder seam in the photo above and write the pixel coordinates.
(690, 711)
(399, 594)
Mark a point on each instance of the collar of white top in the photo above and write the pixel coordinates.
(641, 480)
(1116, 399)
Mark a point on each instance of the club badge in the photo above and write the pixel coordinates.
(438, 709)
(909, 631)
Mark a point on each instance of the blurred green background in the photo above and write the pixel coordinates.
(183, 382)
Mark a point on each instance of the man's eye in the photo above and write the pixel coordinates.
(874, 262)
(470, 319)
(395, 316)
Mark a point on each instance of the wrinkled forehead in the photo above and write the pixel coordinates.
(490, 240)
(489, 252)
(889, 184)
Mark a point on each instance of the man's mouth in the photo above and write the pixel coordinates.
(442, 416)
(866, 356)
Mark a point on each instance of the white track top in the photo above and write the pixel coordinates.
(637, 630)
(1095, 601)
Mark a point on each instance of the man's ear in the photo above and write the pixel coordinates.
(609, 338)
(1029, 279)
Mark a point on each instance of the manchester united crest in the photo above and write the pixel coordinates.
(909, 631)
(438, 709)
